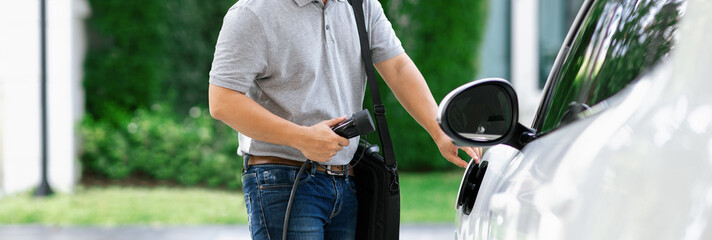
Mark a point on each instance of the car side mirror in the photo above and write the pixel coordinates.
(483, 113)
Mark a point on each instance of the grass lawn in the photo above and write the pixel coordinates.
(425, 197)
(429, 197)
(126, 206)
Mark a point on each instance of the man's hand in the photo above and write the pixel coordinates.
(449, 151)
(319, 143)
(411, 90)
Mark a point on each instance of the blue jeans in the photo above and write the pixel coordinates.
(324, 206)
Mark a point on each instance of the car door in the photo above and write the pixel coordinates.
(612, 44)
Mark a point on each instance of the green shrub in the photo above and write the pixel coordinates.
(156, 143)
(145, 52)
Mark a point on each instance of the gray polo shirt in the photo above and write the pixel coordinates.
(300, 60)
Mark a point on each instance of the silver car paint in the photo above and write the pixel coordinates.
(641, 169)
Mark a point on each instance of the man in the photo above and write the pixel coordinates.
(284, 72)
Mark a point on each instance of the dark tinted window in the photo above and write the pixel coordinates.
(618, 41)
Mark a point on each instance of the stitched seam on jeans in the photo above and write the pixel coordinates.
(301, 182)
(337, 201)
(249, 215)
(264, 221)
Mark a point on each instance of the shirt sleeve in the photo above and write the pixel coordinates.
(241, 52)
(384, 42)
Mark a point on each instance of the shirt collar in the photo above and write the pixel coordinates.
(301, 3)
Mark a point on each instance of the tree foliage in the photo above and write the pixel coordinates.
(145, 52)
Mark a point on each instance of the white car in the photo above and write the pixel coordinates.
(621, 146)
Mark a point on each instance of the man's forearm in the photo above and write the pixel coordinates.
(411, 90)
(247, 117)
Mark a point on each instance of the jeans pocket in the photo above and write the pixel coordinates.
(249, 181)
(248, 176)
(281, 177)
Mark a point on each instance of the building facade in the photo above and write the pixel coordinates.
(521, 41)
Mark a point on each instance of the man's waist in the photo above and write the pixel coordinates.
(336, 170)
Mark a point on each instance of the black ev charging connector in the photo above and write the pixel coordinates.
(360, 123)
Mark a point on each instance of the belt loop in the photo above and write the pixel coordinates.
(312, 167)
(245, 160)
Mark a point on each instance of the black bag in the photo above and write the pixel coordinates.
(377, 187)
(378, 194)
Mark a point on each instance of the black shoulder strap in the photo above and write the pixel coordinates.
(378, 108)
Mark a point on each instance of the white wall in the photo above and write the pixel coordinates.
(525, 57)
(19, 74)
(1, 127)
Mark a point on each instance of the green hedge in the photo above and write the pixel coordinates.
(147, 52)
(155, 143)
(143, 52)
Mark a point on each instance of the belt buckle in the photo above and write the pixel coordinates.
(332, 173)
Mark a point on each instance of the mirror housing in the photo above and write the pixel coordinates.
(483, 113)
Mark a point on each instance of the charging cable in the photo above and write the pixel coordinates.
(360, 123)
(291, 198)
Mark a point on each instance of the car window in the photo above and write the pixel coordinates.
(617, 41)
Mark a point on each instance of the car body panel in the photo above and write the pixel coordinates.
(637, 166)
(507, 170)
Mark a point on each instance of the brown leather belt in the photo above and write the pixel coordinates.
(335, 170)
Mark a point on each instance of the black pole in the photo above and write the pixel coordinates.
(43, 189)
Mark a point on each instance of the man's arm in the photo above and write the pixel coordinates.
(317, 142)
(411, 90)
